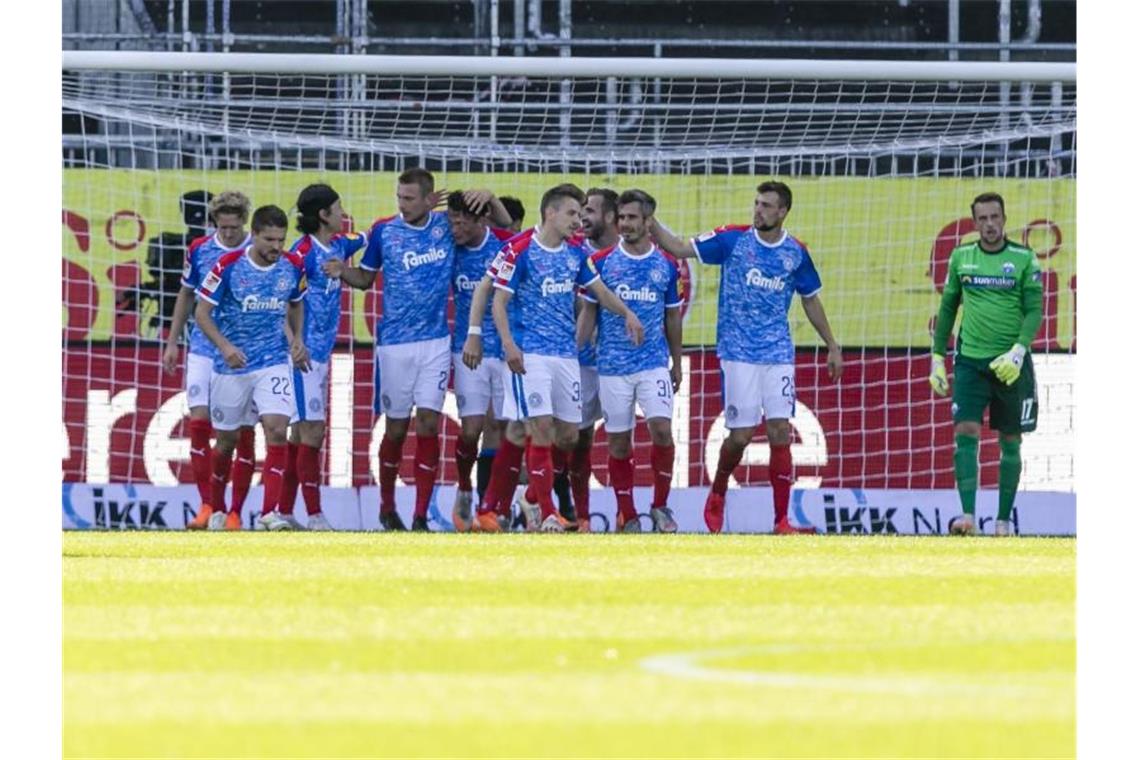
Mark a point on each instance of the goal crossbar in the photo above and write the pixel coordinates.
(449, 65)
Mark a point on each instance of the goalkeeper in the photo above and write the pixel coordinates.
(998, 284)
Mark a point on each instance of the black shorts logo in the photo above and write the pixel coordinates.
(461, 400)
(315, 405)
(386, 401)
(218, 415)
(731, 412)
(195, 390)
(534, 399)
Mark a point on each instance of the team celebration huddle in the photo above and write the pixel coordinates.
(573, 321)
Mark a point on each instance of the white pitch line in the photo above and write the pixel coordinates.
(688, 665)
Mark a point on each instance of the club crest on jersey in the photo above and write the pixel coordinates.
(437, 233)
(644, 293)
(657, 276)
(789, 263)
(755, 278)
(1007, 267)
(413, 259)
(553, 287)
(571, 263)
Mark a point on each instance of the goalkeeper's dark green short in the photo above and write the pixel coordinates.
(1013, 408)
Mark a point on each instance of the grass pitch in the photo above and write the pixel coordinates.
(354, 645)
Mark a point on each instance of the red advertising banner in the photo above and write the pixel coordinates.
(880, 427)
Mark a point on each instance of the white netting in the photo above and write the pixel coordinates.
(883, 172)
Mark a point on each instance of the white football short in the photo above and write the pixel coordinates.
(239, 400)
(552, 385)
(312, 391)
(411, 374)
(475, 389)
(199, 370)
(752, 392)
(591, 401)
(651, 389)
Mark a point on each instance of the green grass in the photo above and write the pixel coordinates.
(356, 645)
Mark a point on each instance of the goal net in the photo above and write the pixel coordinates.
(883, 160)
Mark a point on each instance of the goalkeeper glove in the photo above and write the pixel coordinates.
(938, 379)
(1008, 366)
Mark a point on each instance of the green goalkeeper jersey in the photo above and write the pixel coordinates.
(1000, 293)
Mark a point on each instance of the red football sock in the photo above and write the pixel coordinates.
(466, 455)
(558, 459)
(725, 464)
(218, 480)
(621, 478)
(504, 477)
(309, 472)
(289, 480)
(540, 468)
(272, 473)
(427, 468)
(390, 455)
(780, 476)
(200, 463)
(661, 460)
(581, 467)
(243, 466)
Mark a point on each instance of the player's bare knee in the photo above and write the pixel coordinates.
(619, 444)
(311, 434)
(739, 438)
(565, 435)
(968, 427)
(427, 422)
(275, 427)
(396, 430)
(471, 428)
(516, 433)
(661, 432)
(226, 442)
(779, 432)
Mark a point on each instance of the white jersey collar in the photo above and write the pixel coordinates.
(777, 244)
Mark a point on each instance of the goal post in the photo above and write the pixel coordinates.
(883, 158)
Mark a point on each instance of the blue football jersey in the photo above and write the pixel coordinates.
(471, 264)
(201, 256)
(757, 281)
(648, 284)
(322, 299)
(418, 265)
(249, 306)
(588, 351)
(545, 283)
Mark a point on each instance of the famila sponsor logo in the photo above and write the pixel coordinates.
(553, 287)
(465, 283)
(413, 259)
(756, 279)
(626, 293)
(257, 303)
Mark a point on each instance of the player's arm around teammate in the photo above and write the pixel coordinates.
(998, 285)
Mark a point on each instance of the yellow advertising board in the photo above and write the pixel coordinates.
(877, 242)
